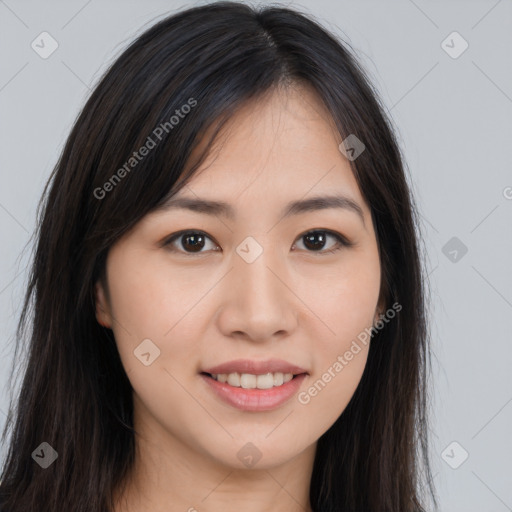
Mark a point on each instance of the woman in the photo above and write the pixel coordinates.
(227, 288)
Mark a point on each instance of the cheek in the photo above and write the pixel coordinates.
(153, 313)
(346, 303)
(344, 297)
(149, 299)
(148, 303)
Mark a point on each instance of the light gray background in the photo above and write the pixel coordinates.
(454, 119)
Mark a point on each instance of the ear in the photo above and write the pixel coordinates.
(103, 315)
(379, 310)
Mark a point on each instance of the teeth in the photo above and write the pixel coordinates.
(249, 381)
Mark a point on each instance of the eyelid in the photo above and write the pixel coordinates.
(342, 241)
(168, 240)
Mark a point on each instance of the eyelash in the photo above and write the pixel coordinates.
(342, 242)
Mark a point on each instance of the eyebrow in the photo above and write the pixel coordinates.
(211, 207)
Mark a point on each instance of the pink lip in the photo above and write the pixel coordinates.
(255, 367)
(256, 400)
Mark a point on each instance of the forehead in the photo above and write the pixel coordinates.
(278, 147)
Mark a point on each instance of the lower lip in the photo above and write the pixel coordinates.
(256, 400)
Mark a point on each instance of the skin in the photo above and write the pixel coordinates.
(203, 309)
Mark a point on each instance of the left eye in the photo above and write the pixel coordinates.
(314, 241)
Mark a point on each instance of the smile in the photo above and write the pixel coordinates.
(251, 381)
(256, 393)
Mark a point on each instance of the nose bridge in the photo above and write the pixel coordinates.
(253, 264)
(257, 303)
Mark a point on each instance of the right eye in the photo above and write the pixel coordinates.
(189, 242)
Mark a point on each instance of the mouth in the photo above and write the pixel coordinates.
(253, 381)
(251, 392)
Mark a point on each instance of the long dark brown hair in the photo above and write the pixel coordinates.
(75, 394)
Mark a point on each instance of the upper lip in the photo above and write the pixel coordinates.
(255, 367)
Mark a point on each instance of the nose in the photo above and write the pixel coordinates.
(258, 303)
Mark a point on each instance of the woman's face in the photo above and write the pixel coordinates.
(247, 289)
